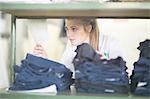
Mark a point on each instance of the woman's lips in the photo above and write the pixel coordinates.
(71, 40)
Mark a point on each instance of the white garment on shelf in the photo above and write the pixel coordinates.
(50, 89)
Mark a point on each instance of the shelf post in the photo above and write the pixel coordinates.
(12, 48)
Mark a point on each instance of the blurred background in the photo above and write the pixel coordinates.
(129, 33)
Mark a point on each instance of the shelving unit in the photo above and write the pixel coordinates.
(97, 10)
(107, 10)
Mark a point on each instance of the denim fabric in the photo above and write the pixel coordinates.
(141, 71)
(102, 88)
(88, 71)
(36, 72)
(95, 75)
(142, 91)
(144, 61)
(144, 45)
(145, 48)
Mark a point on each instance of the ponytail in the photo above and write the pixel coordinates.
(94, 34)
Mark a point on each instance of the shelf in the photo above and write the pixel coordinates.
(103, 10)
(16, 95)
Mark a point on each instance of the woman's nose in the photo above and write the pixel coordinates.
(69, 34)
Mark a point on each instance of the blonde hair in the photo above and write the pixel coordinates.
(94, 33)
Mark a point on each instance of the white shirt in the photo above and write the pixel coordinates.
(109, 49)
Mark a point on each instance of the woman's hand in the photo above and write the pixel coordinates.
(39, 51)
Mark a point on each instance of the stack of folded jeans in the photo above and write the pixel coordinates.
(99, 76)
(36, 72)
(140, 78)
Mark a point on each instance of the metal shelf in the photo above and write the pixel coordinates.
(20, 95)
(104, 10)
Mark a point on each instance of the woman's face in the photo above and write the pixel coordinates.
(76, 32)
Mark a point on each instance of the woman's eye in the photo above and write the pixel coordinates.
(74, 29)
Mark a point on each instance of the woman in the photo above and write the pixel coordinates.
(84, 30)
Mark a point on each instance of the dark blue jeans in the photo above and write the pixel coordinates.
(36, 72)
(141, 71)
(145, 48)
(93, 75)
